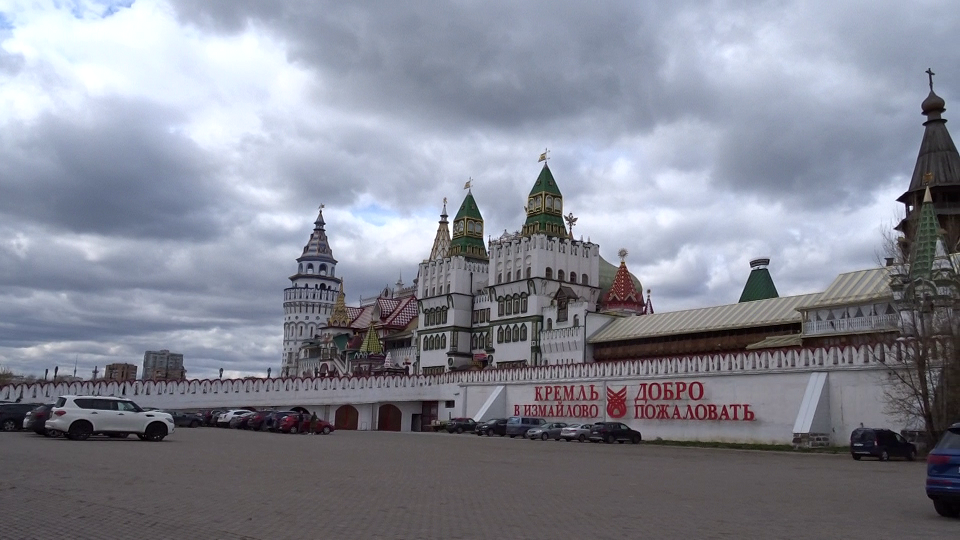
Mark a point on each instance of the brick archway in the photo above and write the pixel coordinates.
(346, 417)
(389, 418)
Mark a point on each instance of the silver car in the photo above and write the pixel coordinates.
(546, 431)
(578, 432)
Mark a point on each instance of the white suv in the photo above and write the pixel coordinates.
(79, 417)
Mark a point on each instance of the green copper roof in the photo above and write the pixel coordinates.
(468, 208)
(759, 286)
(545, 207)
(545, 183)
(924, 247)
(468, 231)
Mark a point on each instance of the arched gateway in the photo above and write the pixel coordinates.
(389, 418)
(346, 417)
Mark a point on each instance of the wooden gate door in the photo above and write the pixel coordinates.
(346, 417)
(389, 418)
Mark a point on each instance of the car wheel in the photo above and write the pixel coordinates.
(326, 430)
(9, 425)
(544, 437)
(856, 457)
(946, 509)
(80, 431)
(635, 439)
(610, 439)
(911, 454)
(155, 432)
(884, 456)
(582, 438)
(459, 430)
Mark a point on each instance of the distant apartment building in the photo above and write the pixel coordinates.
(163, 365)
(120, 372)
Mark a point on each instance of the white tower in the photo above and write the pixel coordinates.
(308, 302)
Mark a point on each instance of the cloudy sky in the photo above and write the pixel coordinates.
(161, 162)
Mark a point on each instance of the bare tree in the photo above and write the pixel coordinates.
(924, 368)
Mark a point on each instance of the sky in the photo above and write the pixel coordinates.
(162, 162)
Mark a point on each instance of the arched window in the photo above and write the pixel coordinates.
(558, 204)
(499, 278)
(573, 277)
(323, 270)
(549, 202)
(549, 324)
(300, 268)
(508, 276)
(500, 308)
(507, 335)
(310, 268)
(523, 333)
(549, 273)
(443, 341)
(584, 280)
(509, 307)
(500, 335)
(576, 320)
(469, 226)
(527, 273)
(323, 286)
(523, 304)
(516, 304)
(426, 343)
(560, 275)
(489, 338)
(516, 333)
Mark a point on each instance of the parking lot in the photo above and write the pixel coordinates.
(227, 484)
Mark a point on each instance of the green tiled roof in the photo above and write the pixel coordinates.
(924, 248)
(759, 286)
(468, 208)
(545, 183)
(468, 231)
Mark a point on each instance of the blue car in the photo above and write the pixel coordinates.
(943, 473)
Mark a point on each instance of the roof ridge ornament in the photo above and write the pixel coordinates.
(571, 221)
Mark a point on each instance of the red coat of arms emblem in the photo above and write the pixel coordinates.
(617, 403)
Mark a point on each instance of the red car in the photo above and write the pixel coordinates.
(298, 423)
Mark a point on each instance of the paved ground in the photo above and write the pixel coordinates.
(224, 484)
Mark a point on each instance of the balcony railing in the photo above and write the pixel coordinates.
(857, 324)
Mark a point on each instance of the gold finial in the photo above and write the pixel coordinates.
(444, 201)
(623, 254)
(927, 178)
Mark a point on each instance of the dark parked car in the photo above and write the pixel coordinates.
(255, 421)
(210, 417)
(943, 473)
(880, 443)
(519, 425)
(12, 415)
(272, 421)
(497, 426)
(610, 432)
(550, 430)
(35, 419)
(185, 419)
(459, 425)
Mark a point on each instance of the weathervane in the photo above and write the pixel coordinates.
(469, 183)
(321, 207)
(544, 156)
(571, 221)
(930, 75)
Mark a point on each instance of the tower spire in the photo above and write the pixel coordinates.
(441, 242)
(468, 229)
(545, 207)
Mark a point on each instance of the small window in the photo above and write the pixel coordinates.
(526, 273)
(584, 280)
(450, 404)
(549, 273)
(560, 275)
(573, 277)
